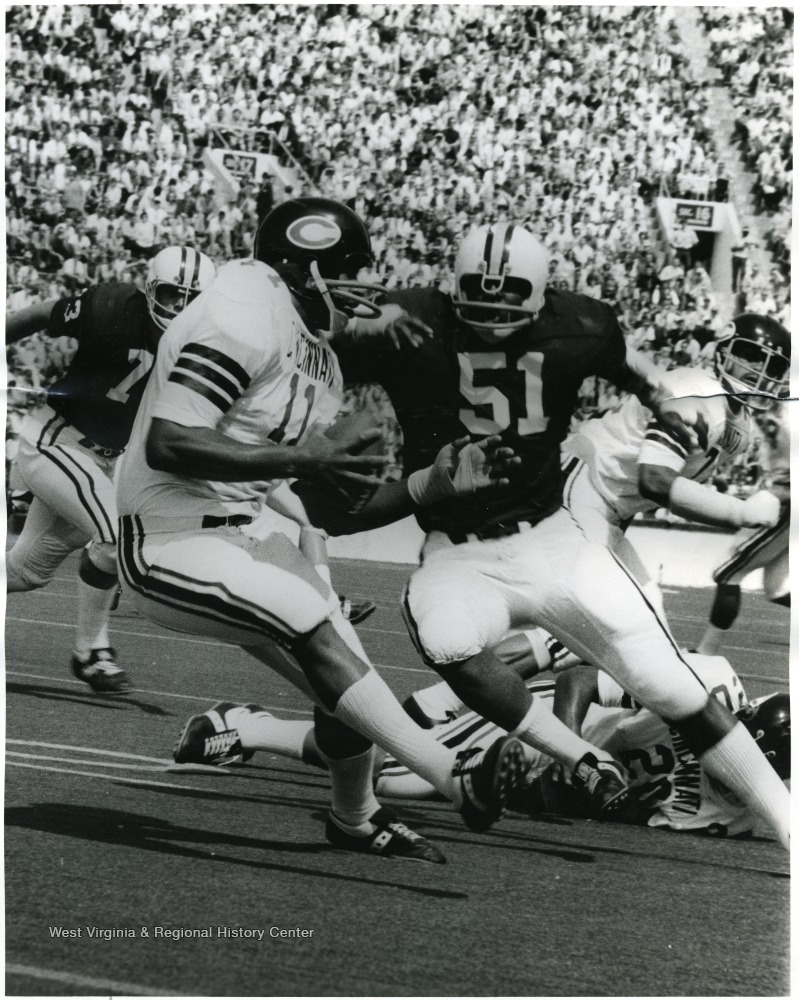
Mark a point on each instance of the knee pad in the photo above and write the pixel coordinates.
(444, 635)
(98, 565)
(705, 728)
(336, 740)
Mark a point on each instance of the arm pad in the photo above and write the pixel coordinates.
(702, 503)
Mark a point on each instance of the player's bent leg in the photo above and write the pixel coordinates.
(356, 821)
(623, 633)
(454, 615)
(94, 660)
(259, 592)
(529, 653)
(45, 542)
(727, 751)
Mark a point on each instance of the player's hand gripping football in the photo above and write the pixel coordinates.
(324, 455)
(463, 468)
(395, 323)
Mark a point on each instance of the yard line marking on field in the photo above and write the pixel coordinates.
(164, 694)
(151, 769)
(106, 777)
(764, 678)
(198, 642)
(94, 750)
(117, 631)
(107, 987)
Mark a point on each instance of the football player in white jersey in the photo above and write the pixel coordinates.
(242, 389)
(670, 788)
(625, 463)
(766, 549)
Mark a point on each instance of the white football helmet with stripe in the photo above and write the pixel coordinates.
(176, 276)
(500, 264)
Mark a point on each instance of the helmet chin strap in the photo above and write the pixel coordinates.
(338, 319)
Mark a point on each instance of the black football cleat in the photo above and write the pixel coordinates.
(487, 778)
(604, 786)
(206, 739)
(101, 671)
(391, 839)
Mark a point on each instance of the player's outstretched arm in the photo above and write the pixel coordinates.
(31, 319)
(460, 468)
(575, 690)
(392, 326)
(697, 502)
(642, 378)
(205, 453)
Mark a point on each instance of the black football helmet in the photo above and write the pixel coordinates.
(769, 721)
(318, 246)
(754, 360)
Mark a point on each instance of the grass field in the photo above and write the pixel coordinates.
(101, 833)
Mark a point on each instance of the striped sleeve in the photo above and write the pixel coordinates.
(661, 448)
(206, 380)
(211, 374)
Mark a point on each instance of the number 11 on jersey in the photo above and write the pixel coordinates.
(533, 422)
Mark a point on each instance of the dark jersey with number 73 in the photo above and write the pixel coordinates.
(101, 389)
(524, 388)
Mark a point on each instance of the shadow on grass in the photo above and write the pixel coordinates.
(149, 833)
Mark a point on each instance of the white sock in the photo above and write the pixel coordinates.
(438, 699)
(739, 764)
(353, 798)
(541, 730)
(94, 606)
(262, 731)
(369, 707)
(711, 641)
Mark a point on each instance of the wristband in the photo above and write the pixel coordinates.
(428, 485)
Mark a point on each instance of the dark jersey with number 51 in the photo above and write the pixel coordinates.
(101, 389)
(524, 388)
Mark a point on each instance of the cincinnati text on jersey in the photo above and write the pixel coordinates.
(685, 778)
(313, 360)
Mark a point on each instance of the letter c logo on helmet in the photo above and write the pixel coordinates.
(314, 232)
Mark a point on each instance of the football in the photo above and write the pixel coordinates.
(331, 505)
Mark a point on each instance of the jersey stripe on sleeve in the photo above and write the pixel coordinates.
(210, 374)
(655, 432)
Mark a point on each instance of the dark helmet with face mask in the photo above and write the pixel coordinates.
(318, 246)
(753, 360)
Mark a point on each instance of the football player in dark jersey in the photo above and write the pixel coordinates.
(508, 357)
(69, 446)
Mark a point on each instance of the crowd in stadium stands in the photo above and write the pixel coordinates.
(753, 49)
(426, 119)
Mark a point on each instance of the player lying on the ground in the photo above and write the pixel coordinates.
(626, 463)
(244, 386)
(670, 788)
(69, 447)
(766, 549)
